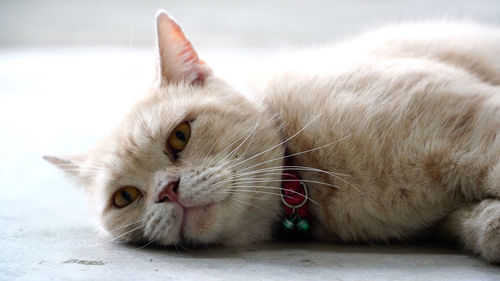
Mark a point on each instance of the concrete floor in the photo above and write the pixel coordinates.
(57, 97)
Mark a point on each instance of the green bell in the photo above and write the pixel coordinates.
(287, 224)
(302, 225)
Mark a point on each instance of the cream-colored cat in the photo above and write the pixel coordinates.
(394, 133)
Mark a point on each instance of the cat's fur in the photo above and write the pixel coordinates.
(399, 130)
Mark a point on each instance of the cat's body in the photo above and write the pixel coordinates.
(393, 133)
(419, 112)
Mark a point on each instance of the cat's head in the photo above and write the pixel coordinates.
(194, 162)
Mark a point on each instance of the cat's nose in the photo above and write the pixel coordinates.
(168, 192)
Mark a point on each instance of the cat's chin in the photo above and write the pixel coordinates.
(198, 223)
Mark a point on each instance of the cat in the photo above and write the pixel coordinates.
(393, 133)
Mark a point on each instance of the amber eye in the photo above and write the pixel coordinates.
(125, 195)
(179, 137)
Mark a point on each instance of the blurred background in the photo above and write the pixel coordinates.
(258, 23)
(69, 70)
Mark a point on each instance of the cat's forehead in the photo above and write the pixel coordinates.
(140, 137)
(159, 113)
(167, 106)
(135, 142)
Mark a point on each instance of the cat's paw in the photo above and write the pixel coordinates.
(489, 236)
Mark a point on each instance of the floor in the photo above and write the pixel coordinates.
(60, 96)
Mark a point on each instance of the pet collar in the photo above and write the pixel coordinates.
(294, 196)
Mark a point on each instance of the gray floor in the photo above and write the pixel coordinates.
(69, 70)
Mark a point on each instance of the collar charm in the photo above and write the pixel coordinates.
(294, 195)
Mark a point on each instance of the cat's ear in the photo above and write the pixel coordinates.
(70, 165)
(178, 61)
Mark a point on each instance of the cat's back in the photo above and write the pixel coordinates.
(383, 67)
(470, 46)
(467, 45)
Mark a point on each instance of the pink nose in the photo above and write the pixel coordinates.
(169, 192)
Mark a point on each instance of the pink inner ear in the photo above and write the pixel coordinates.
(178, 59)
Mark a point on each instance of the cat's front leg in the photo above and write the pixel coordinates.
(477, 227)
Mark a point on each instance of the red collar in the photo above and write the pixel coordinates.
(294, 195)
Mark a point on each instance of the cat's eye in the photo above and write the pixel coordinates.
(179, 137)
(125, 195)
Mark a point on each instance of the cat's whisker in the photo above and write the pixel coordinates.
(291, 168)
(263, 173)
(297, 153)
(283, 169)
(221, 163)
(208, 154)
(277, 170)
(215, 160)
(273, 193)
(182, 246)
(125, 233)
(211, 163)
(286, 156)
(176, 249)
(147, 244)
(116, 238)
(249, 204)
(283, 180)
(251, 134)
(277, 145)
(259, 174)
(304, 168)
(156, 237)
(333, 175)
(246, 195)
(126, 225)
(256, 180)
(253, 179)
(238, 192)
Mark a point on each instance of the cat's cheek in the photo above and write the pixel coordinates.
(198, 223)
